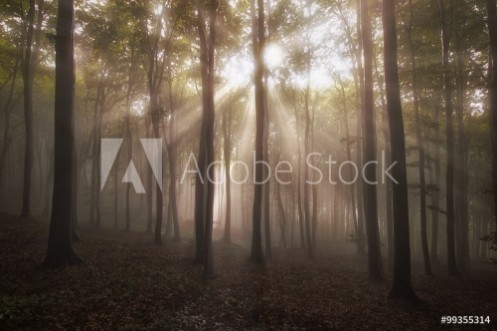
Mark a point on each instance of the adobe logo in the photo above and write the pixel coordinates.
(108, 155)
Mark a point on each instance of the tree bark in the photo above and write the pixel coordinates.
(7, 112)
(492, 33)
(28, 111)
(60, 252)
(227, 160)
(369, 151)
(401, 288)
(449, 180)
(256, 254)
(420, 143)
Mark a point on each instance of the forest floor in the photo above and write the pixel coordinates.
(127, 283)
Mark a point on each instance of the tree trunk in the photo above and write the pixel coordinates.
(449, 180)
(266, 191)
(227, 160)
(435, 173)
(402, 260)
(7, 112)
(204, 199)
(369, 151)
(28, 111)
(388, 160)
(360, 144)
(210, 119)
(420, 143)
(282, 214)
(461, 207)
(492, 33)
(60, 252)
(172, 153)
(257, 255)
(299, 180)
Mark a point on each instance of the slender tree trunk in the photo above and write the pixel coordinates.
(282, 215)
(307, 134)
(492, 33)
(60, 252)
(388, 160)
(7, 112)
(449, 181)
(369, 151)
(28, 111)
(435, 174)
(299, 180)
(461, 168)
(360, 143)
(227, 161)
(116, 184)
(201, 181)
(156, 118)
(204, 198)
(257, 255)
(210, 119)
(172, 154)
(420, 143)
(149, 194)
(402, 260)
(127, 124)
(267, 189)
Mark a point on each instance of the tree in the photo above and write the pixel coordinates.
(227, 119)
(401, 288)
(204, 195)
(60, 251)
(492, 34)
(27, 73)
(445, 35)
(256, 254)
(420, 143)
(369, 151)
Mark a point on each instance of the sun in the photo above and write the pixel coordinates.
(239, 69)
(273, 56)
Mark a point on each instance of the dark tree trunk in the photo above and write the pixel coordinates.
(348, 150)
(127, 124)
(148, 195)
(492, 33)
(210, 119)
(172, 153)
(299, 180)
(227, 160)
(461, 199)
(388, 160)
(360, 240)
(7, 112)
(369, 151)
(282, 215)
(449, 180)
(435, 173)
(204, 198)
(28, 111)
(267, 189)
(420, 143)
(173, 206)
(402, 260)
(156, 114)
(257, 255)
(60, 252)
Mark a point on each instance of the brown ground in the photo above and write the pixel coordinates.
(127, 283)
